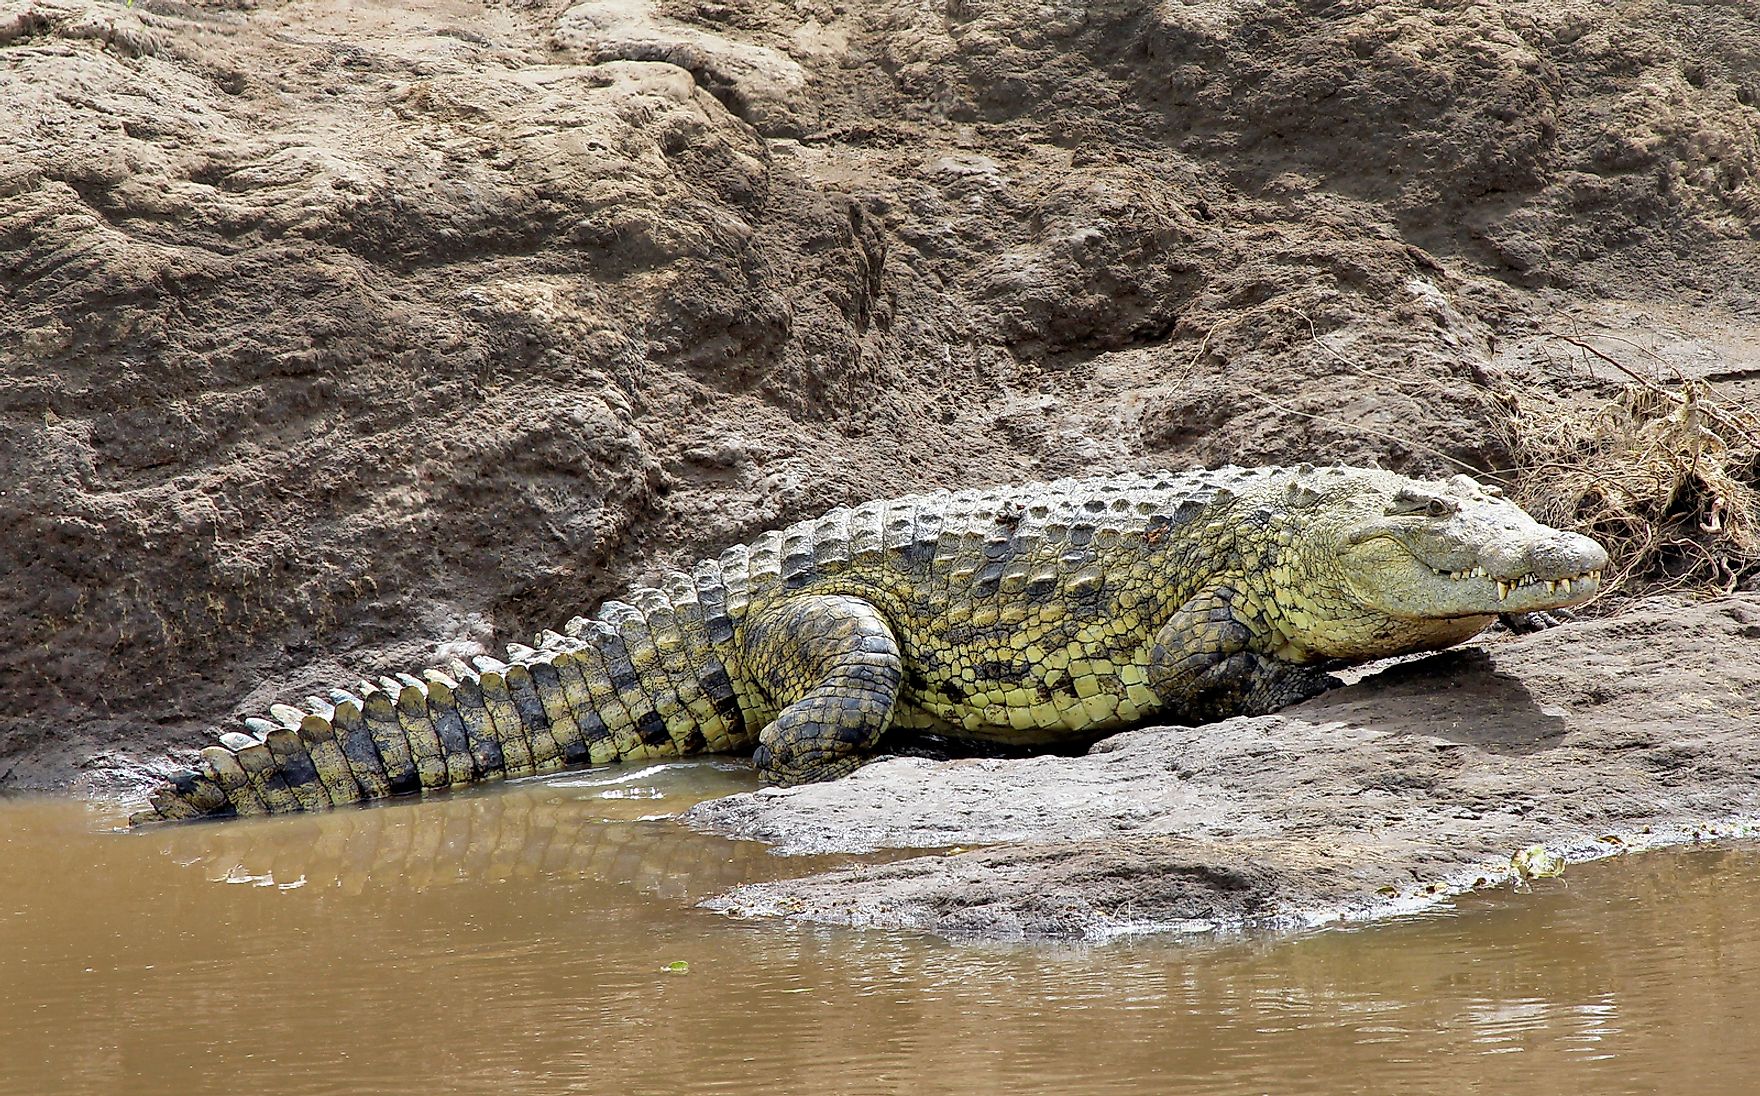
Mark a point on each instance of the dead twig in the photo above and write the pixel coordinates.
(1665, 477)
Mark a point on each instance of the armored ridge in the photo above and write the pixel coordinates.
(644, 679)
(1021, 614)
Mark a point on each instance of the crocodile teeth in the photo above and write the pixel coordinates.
(1478, 572)
(1564, 585)
(1502, 589)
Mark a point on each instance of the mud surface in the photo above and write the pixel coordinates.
(338, 338)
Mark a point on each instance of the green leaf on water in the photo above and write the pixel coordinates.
(677, 966)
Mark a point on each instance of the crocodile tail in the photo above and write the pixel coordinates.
(644, 678)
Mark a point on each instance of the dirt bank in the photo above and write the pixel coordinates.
(1417, 782)
(338, 338)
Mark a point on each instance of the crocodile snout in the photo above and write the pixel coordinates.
(1565, 555)
(1554, 555)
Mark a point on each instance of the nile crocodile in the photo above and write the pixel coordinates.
(1023, 615)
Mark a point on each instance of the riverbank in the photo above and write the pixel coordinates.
(342, 339)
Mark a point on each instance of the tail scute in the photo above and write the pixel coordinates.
(356, 741)
(259, 765)
(379, 712)
(410, 707)
(293, 762)
(642, 680)
(318, 736)
(461, 762)
(510, 732)
(234, 782)
(479, 727)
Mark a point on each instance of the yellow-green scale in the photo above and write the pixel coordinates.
(516, 747)
(735, 566)
(952, 574)
(678, 694)
(690, 661)
(721, 663)
(588, 668)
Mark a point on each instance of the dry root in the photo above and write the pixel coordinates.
(1664, 477)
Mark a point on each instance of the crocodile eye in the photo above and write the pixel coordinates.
(1409, 503)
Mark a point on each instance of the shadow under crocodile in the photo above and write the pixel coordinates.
(1458, 695)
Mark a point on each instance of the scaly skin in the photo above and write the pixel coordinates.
(1022, 615)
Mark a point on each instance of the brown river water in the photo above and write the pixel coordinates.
(516, 941)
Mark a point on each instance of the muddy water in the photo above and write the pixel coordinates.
(514, 941)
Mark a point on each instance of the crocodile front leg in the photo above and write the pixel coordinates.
(832, 666)
(1203, 666)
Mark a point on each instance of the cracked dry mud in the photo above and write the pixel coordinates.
(340, 338)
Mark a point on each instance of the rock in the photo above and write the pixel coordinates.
(760, 84)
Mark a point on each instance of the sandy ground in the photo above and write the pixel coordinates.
(337, 338)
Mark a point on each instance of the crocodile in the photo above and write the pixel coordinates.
(1026, 615)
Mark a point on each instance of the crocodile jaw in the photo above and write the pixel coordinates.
(1516, 591)
(1484, 558)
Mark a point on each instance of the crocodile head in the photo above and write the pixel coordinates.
(1423, 564)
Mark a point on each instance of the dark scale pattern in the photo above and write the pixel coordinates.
(319, 736)
(718, 660)
(233, 781)
(410, 708)
(522, 690)
(712, 602)
(561, 732)
(378, 710)
(480, 731)
(293, 763)
(605, 724)
(510, 732)
(642, 685)
(676, 621)
(259, 767)
(565, 727)
(443, 711)
(672, 684)
(1020, 615)
(596, 736)
(357, 744)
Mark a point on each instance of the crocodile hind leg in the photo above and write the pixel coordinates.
(831, 665)
(1202, 665)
